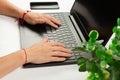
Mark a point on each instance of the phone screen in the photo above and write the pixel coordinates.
(44, 5)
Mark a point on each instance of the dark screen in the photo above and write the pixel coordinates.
(96, 14)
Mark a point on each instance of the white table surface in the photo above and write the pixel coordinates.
(10, 42)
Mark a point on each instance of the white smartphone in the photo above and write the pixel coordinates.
(44, 5)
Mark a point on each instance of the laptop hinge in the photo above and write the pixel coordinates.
(77, 28)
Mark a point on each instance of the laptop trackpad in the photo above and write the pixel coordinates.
(31, 34)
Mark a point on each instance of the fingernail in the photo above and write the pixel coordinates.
(60, 23)
(70, 54)
(56, 26)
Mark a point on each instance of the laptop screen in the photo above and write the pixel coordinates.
(96, 14)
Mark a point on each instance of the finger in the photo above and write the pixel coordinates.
(61, 54)
(57, 44)
(57, 59)
(62, 49)
(49, 22)
(54, 20)
(45, 40)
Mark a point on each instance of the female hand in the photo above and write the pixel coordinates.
(38, 18)
(45, 51)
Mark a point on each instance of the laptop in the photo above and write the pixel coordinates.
(85, 15)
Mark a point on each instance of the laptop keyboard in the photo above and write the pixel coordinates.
(63, 34)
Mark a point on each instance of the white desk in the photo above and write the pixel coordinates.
(10, 42)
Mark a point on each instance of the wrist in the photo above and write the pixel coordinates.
(23, 16)
(20, 57)
(20, 13)
(27, 56)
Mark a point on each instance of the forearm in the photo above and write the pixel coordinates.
(9, 9)
(10, 62)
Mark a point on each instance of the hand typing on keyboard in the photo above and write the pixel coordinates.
(45, 51)
(38, 18)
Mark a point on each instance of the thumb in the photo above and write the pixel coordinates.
(45, 40)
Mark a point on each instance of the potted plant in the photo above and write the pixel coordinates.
(105, 62)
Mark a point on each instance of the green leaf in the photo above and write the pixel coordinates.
(94, 76)
(82, 67)
(91, 66)
(117, 31)
(114, 41)
(109, 52)
(112, 46)
(103, 63)
(108, 56)
(92, 40)
(90, 47)
(81, 60)
(106, 74)
(91, 76)
(93, 34)
(118, 21)
(100, 54)
(114, 29)
(115, 51)
(118, 48)
(84, 43)
(79, 49)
